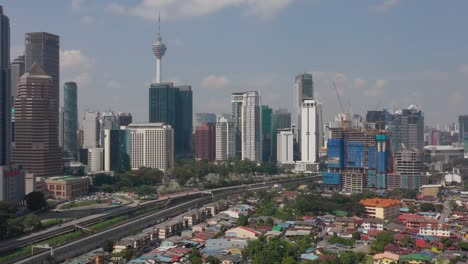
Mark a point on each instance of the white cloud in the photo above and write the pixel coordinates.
(72, 60)
(76, 5)
(377, 88)
(215, 82)
(385, 6)
(170, 9)
(113, 84)
(87, 20)
(359, 83)
(83, 79)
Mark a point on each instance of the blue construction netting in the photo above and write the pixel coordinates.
(371, 156)
(355, 157)
(371, 179)
(382, 181)
(382, 162)
(331, 178)
(336, 153)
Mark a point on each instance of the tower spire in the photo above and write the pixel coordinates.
(159, 23)
(159, 49)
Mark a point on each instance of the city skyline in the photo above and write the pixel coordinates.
(373, 64)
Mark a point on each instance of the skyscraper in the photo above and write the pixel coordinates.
(36, 146)
(282, 118)
(285, 146)
(17, 70)
(124, 119)
(201, 118)
(236, 114)
(173, 105)
(407, 129)
(205, 140)
(310, 142)
(303, 89)
(267, 134)
(152, 146)
(159, 49)
(44, 48)
(112, 148)
(91, 130)
(70, 118)
(108, 120)
(463, 131)
(251, 129)
(225, 139)
(5, 90)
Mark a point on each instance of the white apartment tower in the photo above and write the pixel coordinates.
(225, 139)
(251, 129)
(95, 160)
(311, 130)
(284, 153)
(152, 146)
(91, 130)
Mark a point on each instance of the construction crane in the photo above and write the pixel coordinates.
(341, 116)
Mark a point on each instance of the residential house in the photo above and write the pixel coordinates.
(373, 224)
(386, 258)
(242, 232)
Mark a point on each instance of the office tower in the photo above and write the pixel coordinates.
(152, 146)
(124, 119)
(310, 132)
(17, 70)
(108, 120)
(377, 118)
(463, 131)
(95, 160)
(282, 118)
(112, 147)
(236, 114)
(251, 129)
(91, 130)
(5, 90)
(205, 142)
(407, 129)
(173, 105)
(225, 139)
(159, 48)
(267, 134)
(320, 127)
(303, 89)
(70, 118)
(125, 141)
(60, 127)
(202, 118)
(36, 146)
(408, 173)
(44, 48)
(285, 143)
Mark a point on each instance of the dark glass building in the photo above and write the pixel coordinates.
(112, 161)
(124, 119)
(5, 90)
(267, 137)
(70, 118)
(173, 105)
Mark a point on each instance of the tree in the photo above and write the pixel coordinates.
(101, 179)
(213, 260)
(195, 257)
(126, 254)
(269, 221)
(144, 190)
(289, 260)
(357, 235)
(35, 201)
(108, 245)
(351, 257)
(182, 175)
(243, 220)
(426, 207)
(383, 239)
(31, 222)
(463, 246)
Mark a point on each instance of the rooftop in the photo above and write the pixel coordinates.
(378, 202)
(65, 178)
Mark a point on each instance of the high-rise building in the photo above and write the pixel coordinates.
(124, 119)
(5, 90)
(108, 121)
(159, 49)
(225, 139)
(95, 160)
(463, 131)
(125, 142)
(251, 129)
(152, 146)
(17, 70)
(205, 142)
(407, 129)
(112, 147)
(236, 113)
(70, 118)
(173, 105)
(282, 118)
(285, 143)
(44, 48)
(91, 130)
(303, 89)
(267, 134)
(60, 126)
(202, 118)
(310, 132)
(36, 145)
(408, 171)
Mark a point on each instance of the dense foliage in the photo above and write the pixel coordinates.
(142, 181)
(11, 225)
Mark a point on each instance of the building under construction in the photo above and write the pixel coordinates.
(358, 158)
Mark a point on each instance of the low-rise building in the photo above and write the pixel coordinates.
(386, 209)
(67, 187)
(373, 224)
(438, 230)
(386, 258)
(430, 189)
(242, 232)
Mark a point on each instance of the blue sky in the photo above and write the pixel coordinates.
(378, 52)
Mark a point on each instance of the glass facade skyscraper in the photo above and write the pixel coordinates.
(267, 136)
(173, 105)
(70, 118)
(5, 90)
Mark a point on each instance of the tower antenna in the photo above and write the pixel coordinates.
(159, 22)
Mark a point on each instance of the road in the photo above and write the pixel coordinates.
(446, 210)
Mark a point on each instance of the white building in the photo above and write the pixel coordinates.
(438, 230)
(284, 147)
(452, 177)
(152, 146)
(251, 127)
(91, 130)
(95, 159)
(312, 131)
(225, 139)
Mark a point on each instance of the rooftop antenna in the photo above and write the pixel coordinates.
(159, 22)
